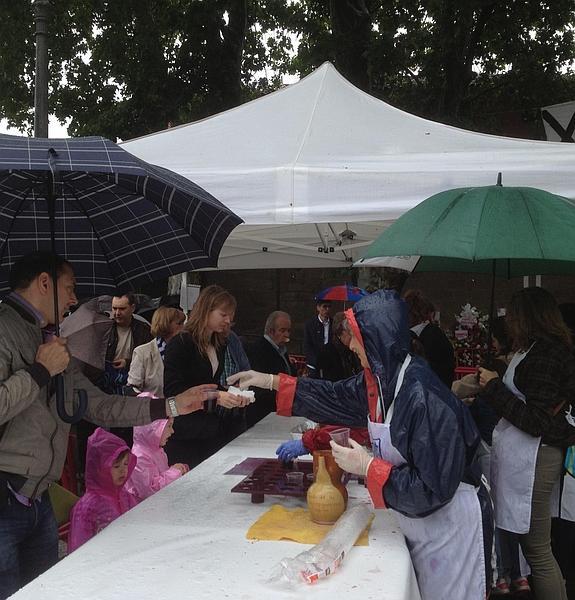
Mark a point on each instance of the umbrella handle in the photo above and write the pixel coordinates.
(61, 402)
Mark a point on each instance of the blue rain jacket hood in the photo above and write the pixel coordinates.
(431, 429)
(382, 320)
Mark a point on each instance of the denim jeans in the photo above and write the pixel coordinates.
(28, 542)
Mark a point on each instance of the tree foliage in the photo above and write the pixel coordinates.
(462, 63)
(123, 69)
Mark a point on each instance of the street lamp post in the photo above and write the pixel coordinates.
(41, 10)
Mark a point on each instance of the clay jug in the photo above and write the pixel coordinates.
(334, 470)
(324, 500)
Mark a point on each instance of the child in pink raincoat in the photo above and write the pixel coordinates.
(109, 463)
(152, 471)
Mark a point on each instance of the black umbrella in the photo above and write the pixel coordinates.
(120, 221)
(87, 331)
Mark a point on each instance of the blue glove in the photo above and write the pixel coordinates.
(290, 450)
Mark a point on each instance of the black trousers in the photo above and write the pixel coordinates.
(563, 545)
(194, 451)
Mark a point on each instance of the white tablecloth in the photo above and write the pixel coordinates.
(188, 541)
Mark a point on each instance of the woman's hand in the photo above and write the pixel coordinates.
(485, 376)
(290, 450)
(355, 459)
(228, 400)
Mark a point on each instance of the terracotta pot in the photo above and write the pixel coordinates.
(335, 472)
(324, 500)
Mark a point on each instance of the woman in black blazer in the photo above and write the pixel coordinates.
(197, 356)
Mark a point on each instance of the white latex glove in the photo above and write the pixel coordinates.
(355, 460)
(246, 379)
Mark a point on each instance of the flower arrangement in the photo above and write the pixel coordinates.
(470, 336)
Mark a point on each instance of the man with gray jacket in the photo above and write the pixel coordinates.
(33, 439)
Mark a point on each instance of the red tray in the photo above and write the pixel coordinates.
(269, 478)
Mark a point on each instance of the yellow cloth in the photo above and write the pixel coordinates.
(280, 523)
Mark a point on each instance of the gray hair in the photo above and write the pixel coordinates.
(272, 318)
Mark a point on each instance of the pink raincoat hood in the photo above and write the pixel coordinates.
(147, 443)
(152, 472)
(103, 449)
(103, 501)
(149, 436)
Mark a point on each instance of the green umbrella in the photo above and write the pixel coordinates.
(505, 231)
(525, 231)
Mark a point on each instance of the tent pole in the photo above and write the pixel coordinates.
(354, 276)
(491, 310)
(278, 289)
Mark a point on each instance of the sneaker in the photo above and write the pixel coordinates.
(501, 588)
(520, 585)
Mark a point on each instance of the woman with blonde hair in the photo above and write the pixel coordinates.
(198, 354)
(147, 367)
(535, 400)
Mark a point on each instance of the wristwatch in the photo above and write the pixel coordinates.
(173, 406)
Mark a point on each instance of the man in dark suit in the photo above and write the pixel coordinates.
(316, 334)
(269, 354)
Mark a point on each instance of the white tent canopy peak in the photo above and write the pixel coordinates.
(304, 163)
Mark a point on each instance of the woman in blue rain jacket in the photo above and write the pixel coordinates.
(424, 442)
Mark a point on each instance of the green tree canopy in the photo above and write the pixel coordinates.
(123, 69)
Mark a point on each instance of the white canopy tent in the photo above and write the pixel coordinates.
(319, 168)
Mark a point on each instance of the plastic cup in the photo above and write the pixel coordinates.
(340, 436)
(295, 478)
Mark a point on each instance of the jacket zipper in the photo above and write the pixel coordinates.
(41, 480)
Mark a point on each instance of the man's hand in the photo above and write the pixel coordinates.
(193, 398)
(246, 379)
(121, 363)
(53, 355)
(228, 400)
(485, 376)
(354, 460)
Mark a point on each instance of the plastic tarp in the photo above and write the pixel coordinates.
(318, 168)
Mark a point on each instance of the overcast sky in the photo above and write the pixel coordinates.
(55, 130)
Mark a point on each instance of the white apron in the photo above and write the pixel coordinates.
(446, 547)
(563, 501)
(513, 458)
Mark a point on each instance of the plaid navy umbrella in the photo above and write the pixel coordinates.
(120, 221)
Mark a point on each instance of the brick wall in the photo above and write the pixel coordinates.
(259, 292)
